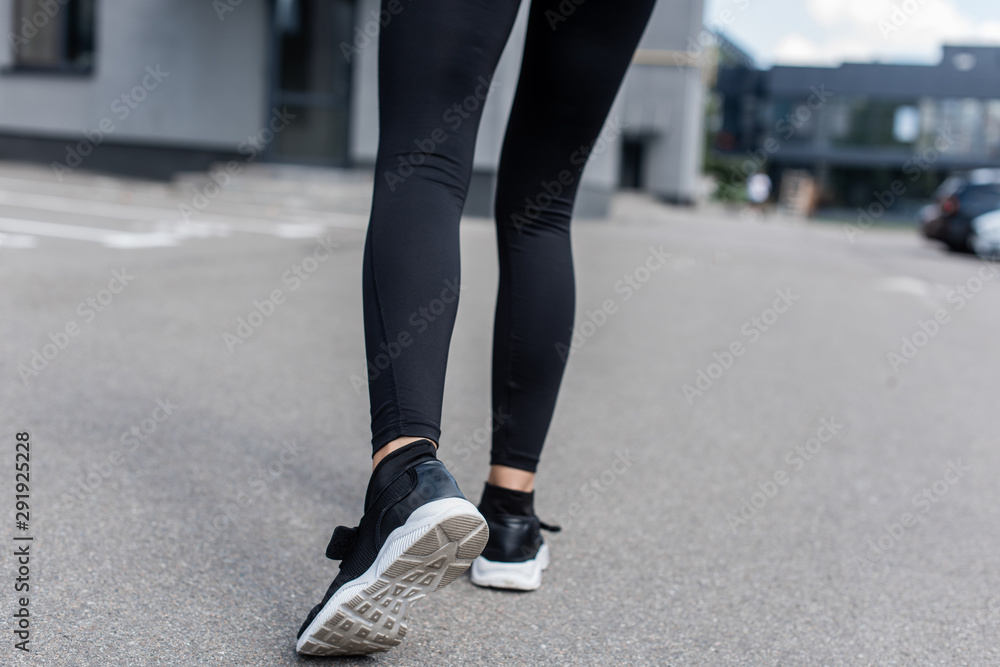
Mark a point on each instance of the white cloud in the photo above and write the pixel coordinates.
(795, 49)
(798, 50)
(990, 31)
(861, 30)
(835, 12)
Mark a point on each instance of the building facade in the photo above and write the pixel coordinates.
(160, 86)
(860, 127)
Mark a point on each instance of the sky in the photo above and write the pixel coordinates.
(829, 32)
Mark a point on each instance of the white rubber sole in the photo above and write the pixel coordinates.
(367, 615)
(526, 576)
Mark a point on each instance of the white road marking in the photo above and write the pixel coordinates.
(905, 285)
(931, 292)
(132, 212)
(17, 241)
(164, 234)
(111, 238)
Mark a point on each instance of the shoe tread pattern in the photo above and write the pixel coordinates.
(375, 620)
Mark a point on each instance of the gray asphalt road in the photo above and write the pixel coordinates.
(751, 465)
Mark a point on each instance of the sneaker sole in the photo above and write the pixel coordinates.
(434, 547)
(526, 576)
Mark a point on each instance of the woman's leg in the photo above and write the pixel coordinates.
(418, 532)
(573, 66)
(572, 69)
(436, 60)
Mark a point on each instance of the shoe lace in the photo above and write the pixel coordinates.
(551, 527)
(342, 542)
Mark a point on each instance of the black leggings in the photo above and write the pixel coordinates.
(436, 60)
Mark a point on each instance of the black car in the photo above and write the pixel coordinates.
(956, 203)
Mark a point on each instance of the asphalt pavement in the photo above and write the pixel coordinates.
(776, 441)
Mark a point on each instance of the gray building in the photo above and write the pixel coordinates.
(159, 86)
(860, 127)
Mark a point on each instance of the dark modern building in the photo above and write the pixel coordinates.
(860, 127)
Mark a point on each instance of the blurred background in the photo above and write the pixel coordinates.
(833, 101)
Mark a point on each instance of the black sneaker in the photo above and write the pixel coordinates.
(516, 553)
(417, 535)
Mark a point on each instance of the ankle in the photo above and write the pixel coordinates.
(393, 445)
(514, 479)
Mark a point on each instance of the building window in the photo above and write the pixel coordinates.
(991, 129)
(792, 119)
(906, 124)
(53, 35)
(312, 75)
(966, 122)
(864, 121)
